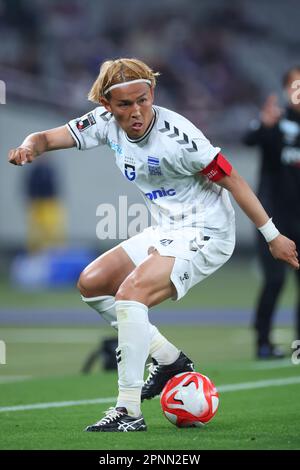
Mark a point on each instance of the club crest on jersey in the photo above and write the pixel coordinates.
(129, 168)
(154, 166)
(129, 171)
(85, 122)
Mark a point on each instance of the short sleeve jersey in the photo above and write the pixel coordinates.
(165, 165)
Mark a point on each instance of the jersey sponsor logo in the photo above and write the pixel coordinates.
(115, 147)
(85, 122)
(154, 166)
(129, 171)
(162, 192)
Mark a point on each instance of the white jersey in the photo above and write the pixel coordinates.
(164, 164)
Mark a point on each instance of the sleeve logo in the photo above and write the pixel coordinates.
(85, 122)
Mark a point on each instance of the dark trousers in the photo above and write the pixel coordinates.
(274, 273)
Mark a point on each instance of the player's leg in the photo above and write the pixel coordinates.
(98, 284)
(145, 286)
(105, 274)
(135, 334)
(132, 301)
(273, 280)
(149, 284)
(295, 233)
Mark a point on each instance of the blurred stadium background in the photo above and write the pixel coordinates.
(219, 60)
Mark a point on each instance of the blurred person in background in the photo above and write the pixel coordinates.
(277, 134)
(46, 215)
(185, 182)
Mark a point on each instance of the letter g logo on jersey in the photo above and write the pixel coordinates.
(130, 175)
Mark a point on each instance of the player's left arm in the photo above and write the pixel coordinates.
(226, 176)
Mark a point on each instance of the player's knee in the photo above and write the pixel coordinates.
(82, 285)
(134, 288)
(89, 286)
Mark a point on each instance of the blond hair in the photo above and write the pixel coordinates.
(117, 71)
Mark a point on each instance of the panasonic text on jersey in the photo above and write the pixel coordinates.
(162, 192)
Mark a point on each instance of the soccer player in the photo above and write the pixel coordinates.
(185, 182)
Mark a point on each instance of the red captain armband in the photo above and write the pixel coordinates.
(217, 169)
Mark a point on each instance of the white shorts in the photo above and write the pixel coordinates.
(195, 260)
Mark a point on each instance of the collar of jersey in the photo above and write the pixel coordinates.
(143, 137)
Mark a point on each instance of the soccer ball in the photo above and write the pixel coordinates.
(189, 399)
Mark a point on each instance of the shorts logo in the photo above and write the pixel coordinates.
(165, 241)
(85, 122)
(153, 166)
(185, 277)
(162, 192)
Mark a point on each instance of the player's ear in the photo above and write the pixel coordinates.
(105, 103)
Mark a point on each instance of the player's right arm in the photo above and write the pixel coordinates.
(41, 142)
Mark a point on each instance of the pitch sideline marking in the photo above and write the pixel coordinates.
(222, 388)
(275, 364)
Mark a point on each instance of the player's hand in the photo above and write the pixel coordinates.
(284, 249)
(271, 112)
(21, 155)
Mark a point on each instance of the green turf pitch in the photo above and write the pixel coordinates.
(43, 364)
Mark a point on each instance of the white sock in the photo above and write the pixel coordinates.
(160, 348)
(105, 305)
(132, 352)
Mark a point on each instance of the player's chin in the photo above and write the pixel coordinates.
(135, 133)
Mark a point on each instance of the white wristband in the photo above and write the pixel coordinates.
(269, 231)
